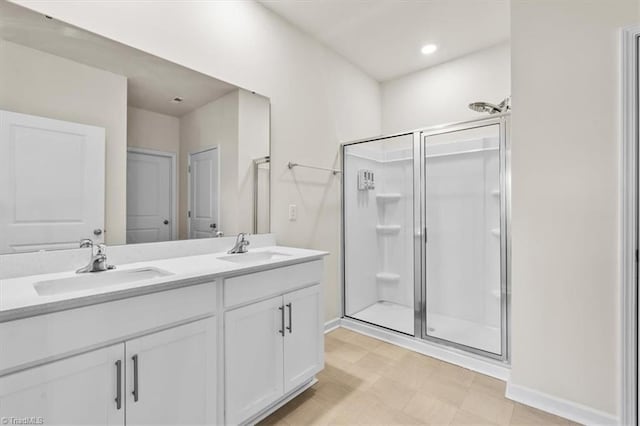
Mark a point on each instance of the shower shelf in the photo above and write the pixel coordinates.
(390, 196)
(387, 277)
(388, 229)
(495, 232)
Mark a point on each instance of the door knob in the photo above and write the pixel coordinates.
(166, 222)
(97, 231)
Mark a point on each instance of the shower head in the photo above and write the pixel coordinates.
(485, 107)
(503, 106)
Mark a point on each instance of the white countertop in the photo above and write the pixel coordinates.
(19, 299)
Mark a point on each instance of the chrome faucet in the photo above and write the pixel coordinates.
(98, 262)
(240, 245)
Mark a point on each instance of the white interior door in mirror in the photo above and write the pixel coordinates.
(203, 193)
(149, 197)
(52, 183)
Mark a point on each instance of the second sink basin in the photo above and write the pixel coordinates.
(256, 257)
(94, 280)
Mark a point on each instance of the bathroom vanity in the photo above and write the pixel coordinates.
(200, 339)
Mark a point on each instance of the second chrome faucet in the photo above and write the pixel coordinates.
(240, 245)
(98, 262)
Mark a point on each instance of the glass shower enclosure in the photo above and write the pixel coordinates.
(425, 234)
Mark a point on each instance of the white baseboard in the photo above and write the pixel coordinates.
(484, 366)
(331, 325)
(558, 406)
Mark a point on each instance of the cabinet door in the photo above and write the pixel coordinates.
(303, 339)
(253, 358)
(171, 376)
(80, 390)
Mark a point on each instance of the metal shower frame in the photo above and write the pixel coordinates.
(419, 205)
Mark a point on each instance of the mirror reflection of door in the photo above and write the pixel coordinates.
(203, 194)
(150, 177)
(51, 183)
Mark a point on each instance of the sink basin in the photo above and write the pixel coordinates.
(93, 280)
(257, 257)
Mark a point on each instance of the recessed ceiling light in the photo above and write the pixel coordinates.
(428, 49)
(176, 100)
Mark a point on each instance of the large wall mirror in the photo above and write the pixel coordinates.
(99, 140)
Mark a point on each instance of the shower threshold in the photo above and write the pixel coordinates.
(389, 315)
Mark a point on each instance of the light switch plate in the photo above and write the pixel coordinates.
(293, 212)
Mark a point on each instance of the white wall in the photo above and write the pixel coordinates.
(565, 291)
(38, 83)
(440, 94)
(152, 130)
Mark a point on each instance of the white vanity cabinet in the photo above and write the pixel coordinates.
(168, 377)
(78, 390)
(303, 349)
(171, 376)
(253, 359)
(228, 349)
(275, 345)
(159, 365)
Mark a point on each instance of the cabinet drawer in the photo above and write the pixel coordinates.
(245, 288)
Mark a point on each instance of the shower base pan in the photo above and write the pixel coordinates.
(401, 318)
(468, 333)
(390, 315)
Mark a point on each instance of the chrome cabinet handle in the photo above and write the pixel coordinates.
(281, 331)
(118, 384)
(136, 392)
(290, 322)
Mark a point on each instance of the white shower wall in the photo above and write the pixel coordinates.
(395, 248)
(360, 237)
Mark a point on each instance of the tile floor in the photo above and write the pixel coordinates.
(367, 381)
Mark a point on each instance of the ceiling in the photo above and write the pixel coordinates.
(151, 81)
(384, 37)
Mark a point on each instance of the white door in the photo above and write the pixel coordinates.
(52, 183)
(203, 194)
(303, 339)
(253, 358)
(171, 376)
(149, 197)
(80, 390)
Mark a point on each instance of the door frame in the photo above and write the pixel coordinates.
(629, 221)
(174, 183)
(189, 155)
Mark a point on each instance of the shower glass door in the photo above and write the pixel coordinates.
(378, 232)
(463, 199)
